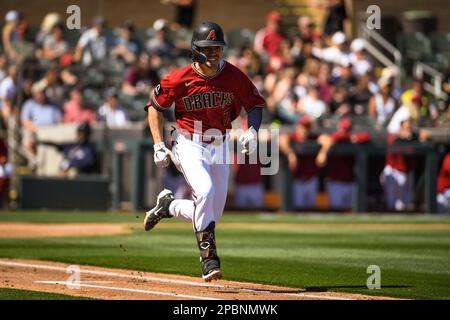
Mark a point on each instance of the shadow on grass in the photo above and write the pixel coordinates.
(327, 288)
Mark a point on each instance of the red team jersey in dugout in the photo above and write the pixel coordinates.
(215, 101)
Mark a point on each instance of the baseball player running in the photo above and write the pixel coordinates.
(208, 94)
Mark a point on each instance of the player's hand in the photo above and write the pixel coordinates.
(161, 155)
(249, 141)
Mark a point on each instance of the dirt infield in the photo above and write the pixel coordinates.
(37, 230)
(104, 283)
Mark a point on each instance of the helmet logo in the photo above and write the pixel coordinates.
(212, 35)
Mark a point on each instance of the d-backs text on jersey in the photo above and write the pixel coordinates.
(215, 99)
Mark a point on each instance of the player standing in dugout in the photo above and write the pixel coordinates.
(209, 92)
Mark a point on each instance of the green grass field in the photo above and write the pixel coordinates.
(16, 294)
(315, 252)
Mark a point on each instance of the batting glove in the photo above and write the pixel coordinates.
(249, 141)
(161, 155)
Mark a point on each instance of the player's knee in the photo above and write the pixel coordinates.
(205, 193)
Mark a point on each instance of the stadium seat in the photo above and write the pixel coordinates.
(414, 45)
(93, 77)
(143, 34)
(239, 38)
(441, 43)
(93, 97)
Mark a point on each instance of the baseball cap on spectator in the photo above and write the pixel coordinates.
(111, 92)
(128, 24)
(273, 16)
(384, 81)
(305, 21)
(357, 45)
(160, 24)
(389, 72)
(99, 21)
(50, 20)
(39, 86)
(304, 121)
(338, 38)
(345, 124)
(12, 16)
(85, 128)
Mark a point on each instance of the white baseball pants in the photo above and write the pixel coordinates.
(340, 194)
(206, 169)
(249, 196)
(398, 187)
(443, 201)
(304, 193)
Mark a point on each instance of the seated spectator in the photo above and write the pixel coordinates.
(76, 110)
(323, 78)
(382, 105)
(339, 104)
(94, 44)
(427, 111)
(305, 29)
(49, 21)
(5, 173)
(443, 186)
(360, 95)
(79, 157)
(410, 109)
(249, 62)
(361, 64)
(22, 48)
(303, 166)
(336, 53)
(340, 182)
(127, 48)
(282, 99)
(37, 112)
(8, 89)
(161, 43)
(56, 90)
(311, 105)
(54, 45)
(397, 177)
(141, 78)
(111, 112)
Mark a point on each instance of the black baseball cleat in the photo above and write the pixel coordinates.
(211, 269)
(160, 211)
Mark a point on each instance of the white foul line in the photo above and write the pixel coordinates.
(148, 278)
(159, 293)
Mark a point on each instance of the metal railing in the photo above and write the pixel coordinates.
(421, 69)
(395, 61)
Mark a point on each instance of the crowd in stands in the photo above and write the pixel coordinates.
(310, 77)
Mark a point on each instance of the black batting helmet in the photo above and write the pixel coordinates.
(206, 34)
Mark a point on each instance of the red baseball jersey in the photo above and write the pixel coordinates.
(443, 182)
(400, 161)
(215, 101)
(340, 167)
(306, 164)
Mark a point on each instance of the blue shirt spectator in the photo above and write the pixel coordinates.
(40, 113)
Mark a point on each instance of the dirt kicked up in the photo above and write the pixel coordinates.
(104, 283)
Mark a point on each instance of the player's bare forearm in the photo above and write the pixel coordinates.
(156, 122)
